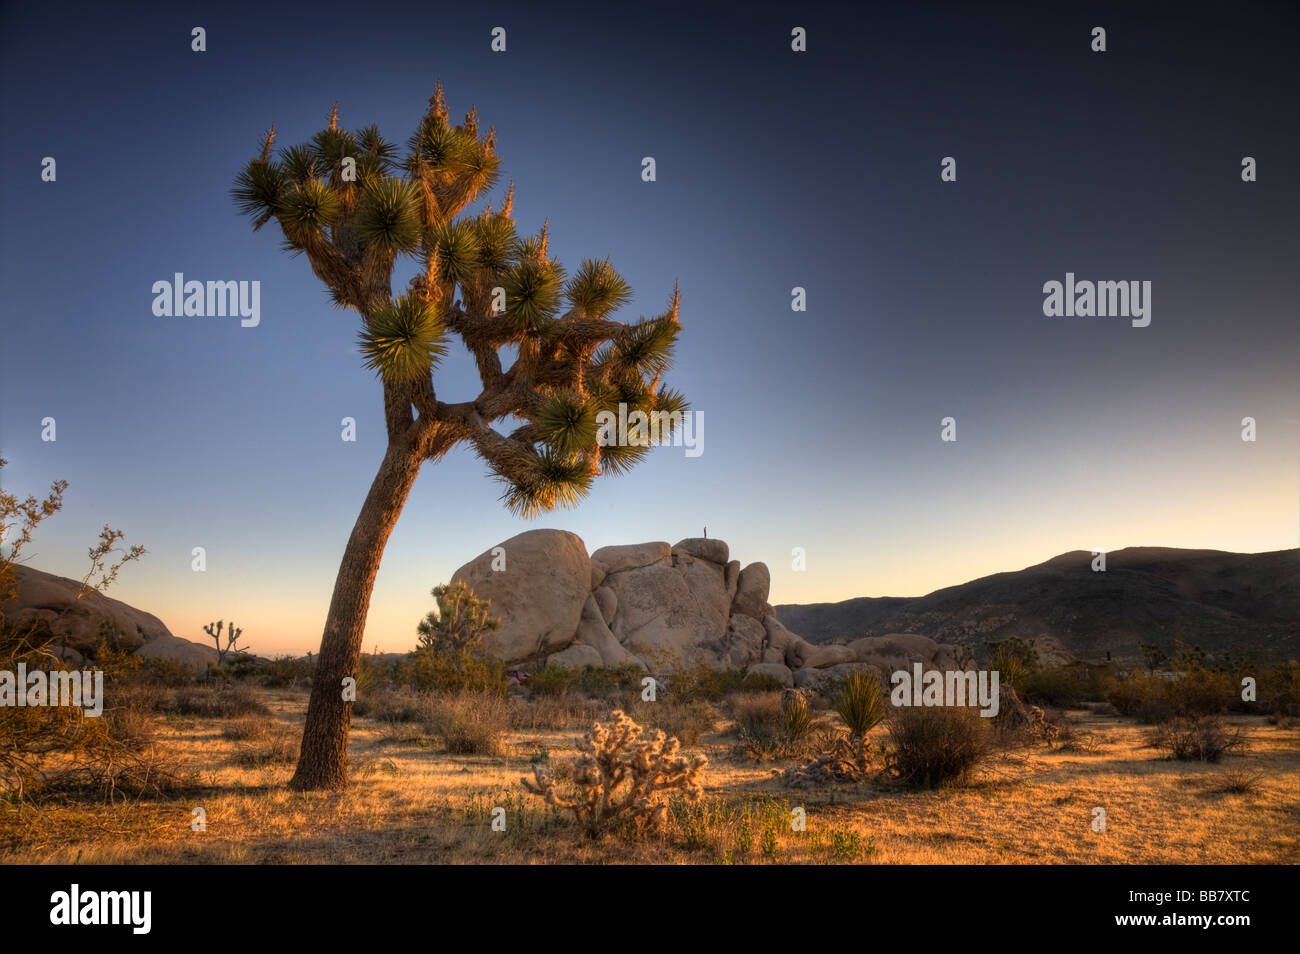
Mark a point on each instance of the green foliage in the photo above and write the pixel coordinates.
(1194, 692)
(860, 703)
(932, 746)
(1014, 659)
(553, 681)
(452, 672)
(403, 340)
(388, 219)
(1066, 686)
(461, 622)
(597, 288)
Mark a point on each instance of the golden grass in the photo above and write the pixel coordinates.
(413, 803)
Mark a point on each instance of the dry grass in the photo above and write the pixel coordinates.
(416, 803)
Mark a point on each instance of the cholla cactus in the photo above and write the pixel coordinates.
(612, 755)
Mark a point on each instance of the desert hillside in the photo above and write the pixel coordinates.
(1222, 602)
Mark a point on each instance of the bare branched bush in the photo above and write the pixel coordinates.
(620, 777)
(1204, 739)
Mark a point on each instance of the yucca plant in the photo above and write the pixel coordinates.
(862, 707)
(352, 206)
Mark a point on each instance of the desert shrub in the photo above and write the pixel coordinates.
(1195, 691)
(469, 723)
(613, 755)
(759, 717)
(798, 718)
(704, 682)
(1014, 659)
(1236, 782)
(1279, 691)
(771, 725)
(225, 702)
(429, 671)
(1203, 739)
(761, 682)
(1128, 694)
(935, 745)
(403, 704)
(287, 672)
(567, 711)
(1061, 686)
(1199, 691)
(263, 742)
(554, 681)
(1154, 712)
(375, 672)
(687, 721)
(161, 671)
(621, 684)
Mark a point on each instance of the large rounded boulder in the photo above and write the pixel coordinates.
(538, 582)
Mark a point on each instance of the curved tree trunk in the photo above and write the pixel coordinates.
(322, 762)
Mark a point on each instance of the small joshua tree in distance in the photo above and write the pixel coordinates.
(232, 639)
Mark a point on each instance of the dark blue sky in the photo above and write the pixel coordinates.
(775, 169)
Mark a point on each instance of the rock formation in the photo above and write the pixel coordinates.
(77, 625)
(661, 607)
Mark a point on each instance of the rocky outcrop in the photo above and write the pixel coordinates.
(51, 605)
(658, 606)
(76, 625)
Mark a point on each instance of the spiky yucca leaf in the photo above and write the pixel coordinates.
(567, 424)
(332, 145)
(671, 407)
(389, 217)
(300, 163)
(617, 459)
(458, 251)
(597, 288)
(257, 191)
(532, 293)
(437, 146)
(555, 481)
(481, 166)
(376, 146)
(647, 346)
(496, 242)
(308, 207)
(403, 340)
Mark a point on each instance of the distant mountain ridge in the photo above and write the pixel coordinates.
(1220, 601)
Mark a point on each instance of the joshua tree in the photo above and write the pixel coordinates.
(232, 639)
(461, 621)
(352, 206)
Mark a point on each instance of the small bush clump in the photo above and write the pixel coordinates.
(936, 745)
(1203, 739)
(226, 702)
(469, 723)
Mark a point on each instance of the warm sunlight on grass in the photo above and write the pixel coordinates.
(413, 803)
